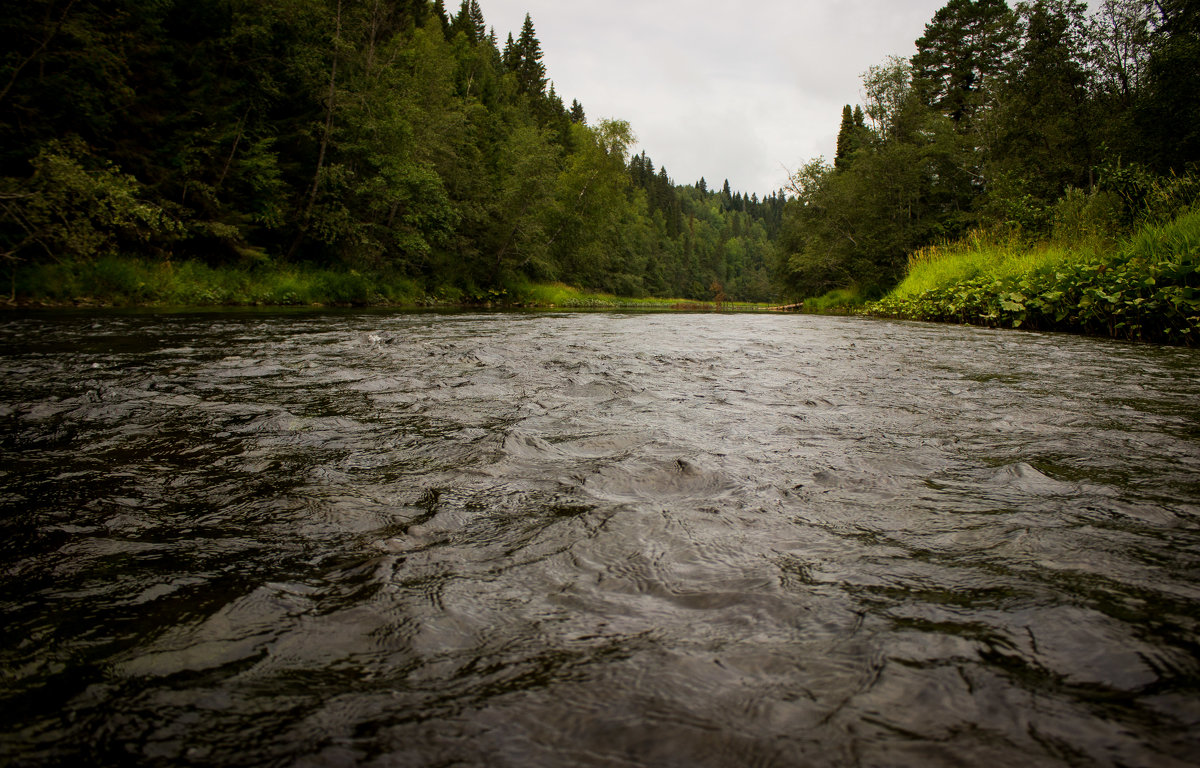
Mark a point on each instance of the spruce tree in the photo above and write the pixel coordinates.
(845, 139)
(477, 23)
(511, 58)
(531, 72)
(439, 9)
(462, 22)
(577, 115)
(1167, 111)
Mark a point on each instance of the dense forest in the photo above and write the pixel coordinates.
(393, 142)
(389, 138)
(1037, 121)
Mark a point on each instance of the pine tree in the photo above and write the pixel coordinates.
(477, 23)
(531, 72)
(967, 43)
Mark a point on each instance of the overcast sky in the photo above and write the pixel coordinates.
(730, 90)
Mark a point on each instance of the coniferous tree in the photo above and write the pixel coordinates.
(477, 22)
(511, 57)
(845, 139)
(967, 43)
(1039, 131)
(530, 71)
(463, 22)
(1167, 111)
(347, 133)
(439, 11)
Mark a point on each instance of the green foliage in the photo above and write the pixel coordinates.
(527, 61)
(1086, 217)
(965, 45)
(1148, 289)
(122, 281)
(1033, 123)
(381, 137)
(68, 210)
(839, 300)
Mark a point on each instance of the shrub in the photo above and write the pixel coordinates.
(1147, 289)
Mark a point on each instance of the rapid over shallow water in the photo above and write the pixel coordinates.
(594, 539)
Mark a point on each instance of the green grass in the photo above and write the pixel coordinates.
(1146, 288)
(978, 258)
(560, 295)
(119, 281)
(837, 301)
(129, 282)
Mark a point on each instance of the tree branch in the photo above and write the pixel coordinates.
(37, 52)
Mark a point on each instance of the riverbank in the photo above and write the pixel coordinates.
(128, 282)
(1145, 288)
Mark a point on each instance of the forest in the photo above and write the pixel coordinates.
(395, 147)
(1010, 131)
(393, 151)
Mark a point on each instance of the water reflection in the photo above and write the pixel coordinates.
(576, 539)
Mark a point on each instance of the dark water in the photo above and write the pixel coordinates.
(594, 539)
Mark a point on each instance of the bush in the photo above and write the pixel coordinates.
(1148, 289)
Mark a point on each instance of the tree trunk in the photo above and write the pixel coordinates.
(329, 104)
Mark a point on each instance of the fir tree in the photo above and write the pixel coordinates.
(511, 58)
(439, 9)
(462, 22)
(845, 139)
(531, 72)
(477, 23)
(851, 136)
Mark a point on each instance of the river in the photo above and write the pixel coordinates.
(594, 539)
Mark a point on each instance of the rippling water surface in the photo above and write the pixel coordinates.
(596, 540)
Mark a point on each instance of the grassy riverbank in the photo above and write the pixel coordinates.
(131, 282)
(1146, 287)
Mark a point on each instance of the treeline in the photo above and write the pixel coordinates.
(1037, 120)
(389, 137)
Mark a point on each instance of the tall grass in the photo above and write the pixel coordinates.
(125, 282)
(983, 257)
(547, 295)
(120, 281)
(1146, 287)
(557, 295)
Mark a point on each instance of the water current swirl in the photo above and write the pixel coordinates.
(594, 540)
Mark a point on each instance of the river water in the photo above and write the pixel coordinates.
(594, 539)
